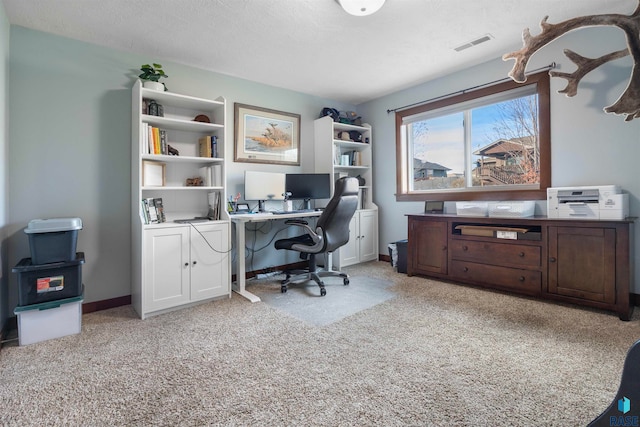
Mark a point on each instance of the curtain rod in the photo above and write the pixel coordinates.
(548, 67)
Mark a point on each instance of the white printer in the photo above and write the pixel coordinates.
(596, 202)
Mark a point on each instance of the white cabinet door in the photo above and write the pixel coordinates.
(368, 235)
(166, 268)
(350, 253)
(209, 261)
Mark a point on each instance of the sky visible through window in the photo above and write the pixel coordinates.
(441, 139)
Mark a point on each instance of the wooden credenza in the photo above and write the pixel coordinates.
(584, 262)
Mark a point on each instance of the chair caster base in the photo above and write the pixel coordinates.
(283, 289)
(323, 291)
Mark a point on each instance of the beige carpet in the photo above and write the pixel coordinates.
(436, 354)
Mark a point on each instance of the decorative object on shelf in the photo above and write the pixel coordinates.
(153, 174)
(202, 118)
(155, 109)
(361, 181)
(327, 111)
(361, 7)
(350, 118)
(629, 102)
(197, 181)
(266, 136)
(151, 74)
(344, 135)
(355, 136)
(172, 151)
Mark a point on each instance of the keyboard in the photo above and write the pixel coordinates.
(292, 212)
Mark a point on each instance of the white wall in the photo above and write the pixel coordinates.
(589, 147)
(70, 136)
(4, 144)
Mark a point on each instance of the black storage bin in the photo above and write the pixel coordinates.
(48, 282)
(402, 255)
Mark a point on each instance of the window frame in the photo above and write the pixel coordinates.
(542, 82)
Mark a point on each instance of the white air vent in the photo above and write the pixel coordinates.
(472, 43)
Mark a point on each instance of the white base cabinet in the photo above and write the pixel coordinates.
(363, 240)
(183, 265)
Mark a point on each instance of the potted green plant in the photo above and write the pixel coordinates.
(151, 74)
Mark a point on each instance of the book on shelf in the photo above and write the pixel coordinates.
(206, 173)
(211, 175)
(208, 146)
(153, 210)
(204, 147)
(155, 140)
(163, 141)
(214, 200)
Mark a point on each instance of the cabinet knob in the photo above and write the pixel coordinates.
(552, 259)
(465, 248)
(522, 278)
(194, 262)
(521, 254)
(186, 264)
(444, 248)
(465, 269)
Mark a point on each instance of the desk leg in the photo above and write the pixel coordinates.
(239, 286)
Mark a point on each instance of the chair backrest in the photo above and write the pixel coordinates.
(335, 219)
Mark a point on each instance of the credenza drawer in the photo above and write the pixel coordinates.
(527, 281)
(496, 253)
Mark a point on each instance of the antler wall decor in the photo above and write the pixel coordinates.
(629, 102)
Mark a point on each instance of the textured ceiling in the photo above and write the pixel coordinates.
(311, 46)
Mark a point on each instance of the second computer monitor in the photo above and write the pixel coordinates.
(307, 186)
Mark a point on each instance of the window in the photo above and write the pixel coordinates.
(489, 144)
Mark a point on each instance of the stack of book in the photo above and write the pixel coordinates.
(153, 210)
(156, 140)
(211, 175)
(208, 146)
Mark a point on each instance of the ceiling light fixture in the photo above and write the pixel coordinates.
(360, 7)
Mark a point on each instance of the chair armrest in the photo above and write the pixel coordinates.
(316, 237)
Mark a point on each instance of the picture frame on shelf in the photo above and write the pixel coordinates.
(268, 136)
(153, 173)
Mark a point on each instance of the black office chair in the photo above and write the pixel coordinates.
(331, 232)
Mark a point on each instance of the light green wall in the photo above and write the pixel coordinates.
(589, 147)
(70, 136)
(4, 135)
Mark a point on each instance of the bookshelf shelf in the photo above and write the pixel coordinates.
(177, 264)
(330, 148)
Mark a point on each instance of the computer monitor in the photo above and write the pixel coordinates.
(307, 186)
(263, 186)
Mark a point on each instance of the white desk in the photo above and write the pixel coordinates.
(240, 221)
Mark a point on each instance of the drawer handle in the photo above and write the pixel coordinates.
(521, 254)
(522, 278)
(552, 259)
(465, 248)
(465, 269)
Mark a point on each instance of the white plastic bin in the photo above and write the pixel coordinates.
(48, 320)
(472, 208)
(515, 209)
